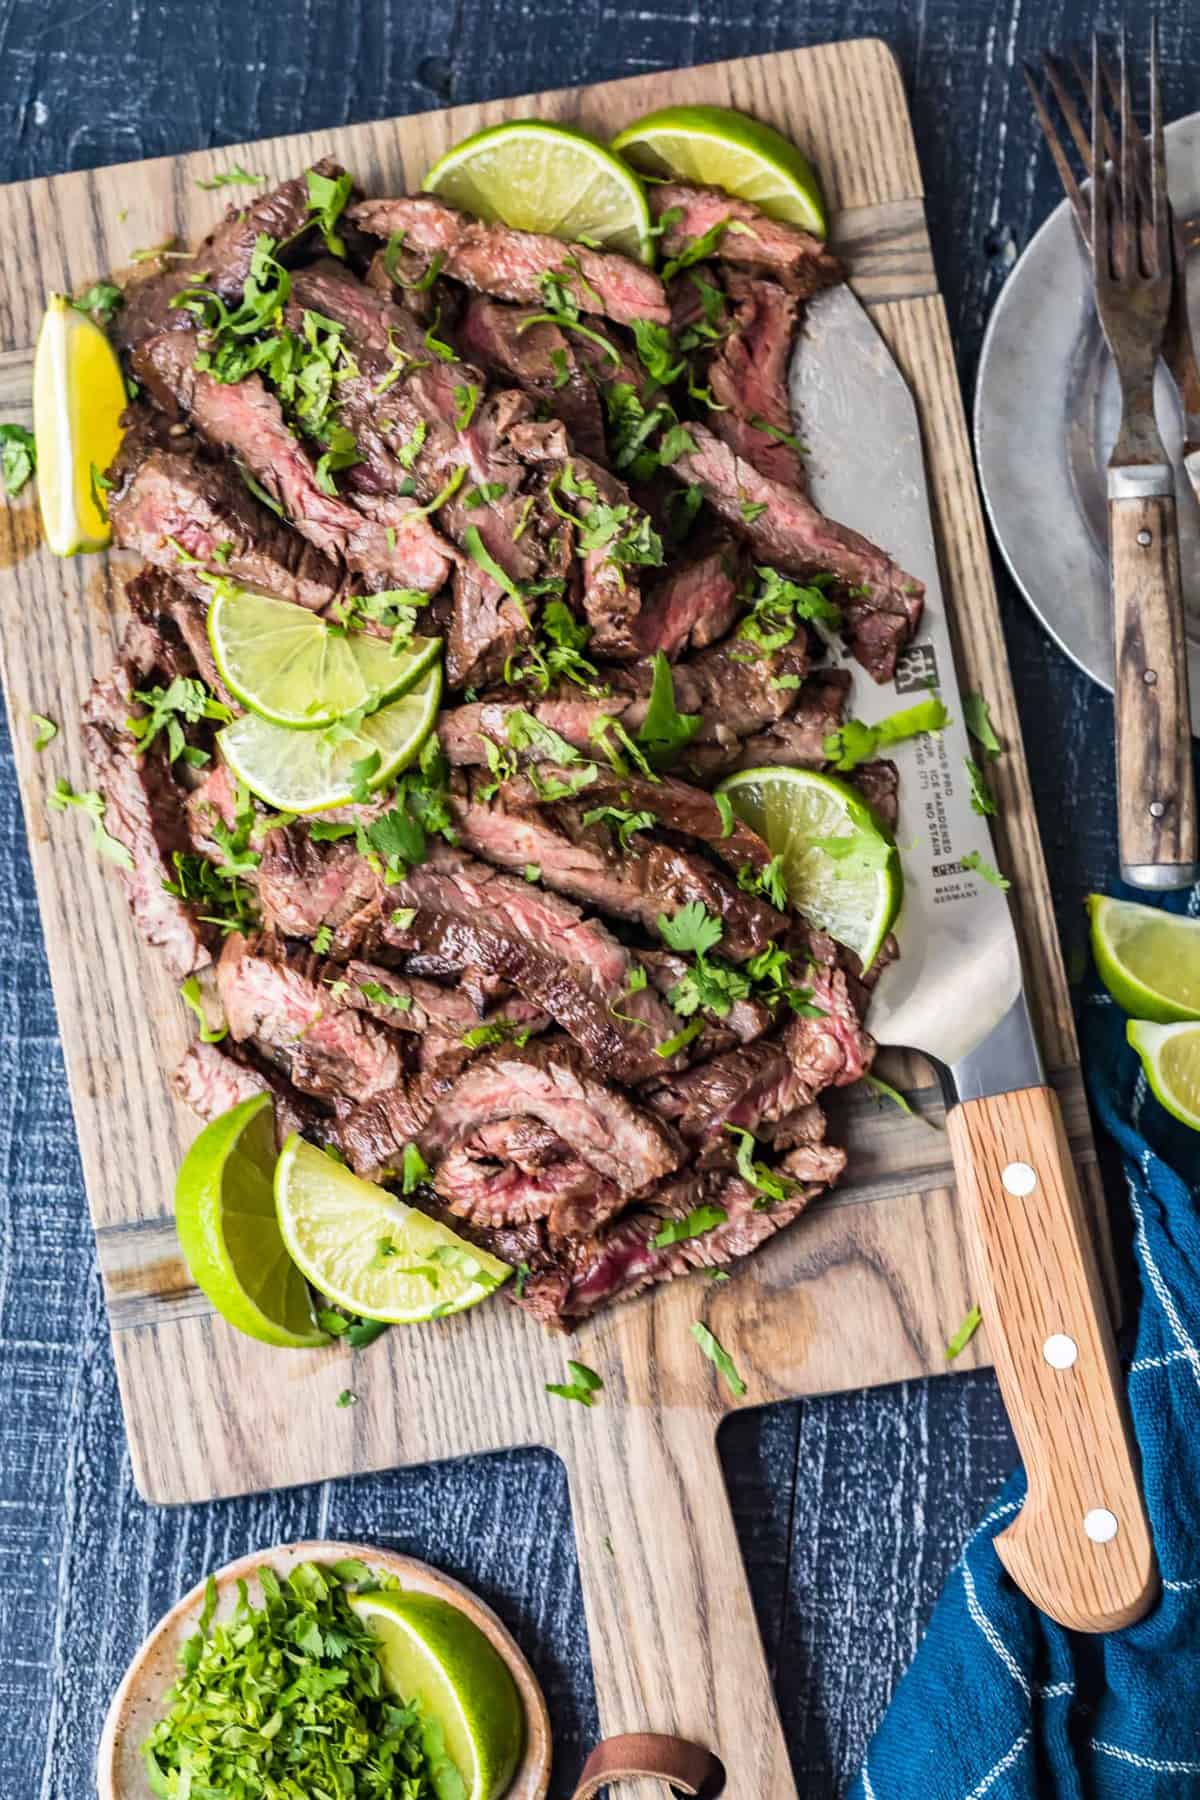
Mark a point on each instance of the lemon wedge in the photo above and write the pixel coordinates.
(78, 399)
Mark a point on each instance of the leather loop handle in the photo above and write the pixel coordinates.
(642, 1755)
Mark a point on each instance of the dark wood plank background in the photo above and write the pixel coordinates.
(851, 1509)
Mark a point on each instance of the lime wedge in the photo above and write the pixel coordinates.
(853, 896)
(432, 1653)
(540, 177)
(308, 771)
(717, 147)
(372, 1253)
(1148, 960)
(78, 399)
(1171, 1058)
(229, 1234)
(294, 669)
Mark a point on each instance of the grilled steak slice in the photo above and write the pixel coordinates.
(641, 881)
(797, 741)
(748, 377)
(245, 419)
(145, 809)
(326, 1049)
(540, 359)
(879, 784)
(746, 1019)
(170, 499)
(749, 238)
(750, 1088)
(513, 1171)
(210, 1082)
(372, 1137)
(177, 615)
(831, 1050)
(464, 731)
(790, 534)
(693, 605)
(550, 1082)
(409, 1002)
(303, 885)
(512, 264)
(572, 1281)
(222, 261)
(735, 691)
(676, 805)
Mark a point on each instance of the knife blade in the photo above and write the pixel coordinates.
(1080, 1547)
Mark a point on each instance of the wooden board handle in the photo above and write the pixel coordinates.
(1156, 800)
(674, 1642)
(1080, 1546)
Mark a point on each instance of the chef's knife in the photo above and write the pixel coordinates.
(1080, 1546)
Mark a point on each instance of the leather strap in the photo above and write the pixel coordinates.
(650, 1754)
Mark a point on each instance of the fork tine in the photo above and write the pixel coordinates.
(1128, 235)
(1065, 172)
(1160, 208)
(1114, 92)
(1070, 111)
(1101, 256)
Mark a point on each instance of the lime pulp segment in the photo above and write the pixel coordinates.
(853, 896)
(1149, 960)
(296, 670)
(715, 146)
(538, 176)
(1171, 1059)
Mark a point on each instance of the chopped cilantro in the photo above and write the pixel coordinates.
(234, 177)
(964, 1334)
(44, 730)
(621, 820)
(186, 701)
(327, 197)
(496, 1031)
(701, 248)
(854, 742)
(778, 606)
(189, 993)
(886, 1091)
(986, 872)
(347, 1398)
(583, 1386)
(18, 458)
(93, 805)
(978, 720)
(720, 1358)
(322, 939)
(480, 555)
(414, 1169)
(665, 730)
(751, 510)
(759, 1175)
(658, 351)
(101, 301)
(533, 872)
(378, 995)
(466, 399)
(697, 1222)
(724, 806)
(673, 1045)
(982, 800)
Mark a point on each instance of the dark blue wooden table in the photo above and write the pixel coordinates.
(851, 1509)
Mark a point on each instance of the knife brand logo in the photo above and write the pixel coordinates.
(917, 670)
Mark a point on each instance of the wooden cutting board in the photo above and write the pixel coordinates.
(864, 1290)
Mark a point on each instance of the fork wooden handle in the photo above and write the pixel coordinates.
(1156, 799)
(1080, 1546)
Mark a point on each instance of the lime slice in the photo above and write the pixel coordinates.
(308, 771)
(540, 177)
(229, 1234)
(372, 1253)
(855, 897)
(78, 399)
(1148, 960)
(432, 1653)
(1171, 1058)
(294, 669)
(717, 147)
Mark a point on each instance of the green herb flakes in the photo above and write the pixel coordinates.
(191, 996)
(44, 730)
(583, 1386)
(700, 1220)
(964, 1334)
(720, 1358)
(978, 720)
(18, 458)
(234, 177)
(91, 803)
(986, 872)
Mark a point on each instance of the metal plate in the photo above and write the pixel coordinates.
(1046, 414)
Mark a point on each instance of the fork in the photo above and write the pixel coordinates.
(1129, 227)
(1179, 352)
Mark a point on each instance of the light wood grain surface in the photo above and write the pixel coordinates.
(865, 1291)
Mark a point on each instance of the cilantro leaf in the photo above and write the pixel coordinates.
(759, 1175)
(982, 800)
(665, 730)
(44, 730)
(18, 458)
(719, 1357)
(234, 177)
(466, 398)
(691, 929)
(93, 805)
(189, 993)
(986, 872)
(855, 743)
(327, 197)
(583, 1386)
(700, 1220)
(978, 720)
(964, 1334)
(101, 301)
(414, 1169)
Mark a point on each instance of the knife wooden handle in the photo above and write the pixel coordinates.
(1080, 1547)
(1156, 800)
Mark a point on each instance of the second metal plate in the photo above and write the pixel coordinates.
(1046, 415)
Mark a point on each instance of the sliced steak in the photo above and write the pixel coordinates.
(750, 1088)
(797, 740)
(169, 499)
(464, 731)
(515, 1171)
(833, 1049)
(222, 261)
(676, 805)
(372, 1137)
(568, 965)
(642, 880)
(325, 1048)
(495, 259)
(515, 344)
(881, 606)
(145, 808)
(211, 1082)
(551, 1082)
(748, 377)
(735, 689)
(303, 885)
(245, 419)
(693, 605)
(879, 784)
(749, 238)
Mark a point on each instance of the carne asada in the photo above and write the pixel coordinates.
(543, 980)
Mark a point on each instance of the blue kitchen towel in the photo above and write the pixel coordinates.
(1002, 1702)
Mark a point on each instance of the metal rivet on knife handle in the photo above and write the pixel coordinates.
(1019, 1179)
(1101, 1525)
(1060, 1351)
(1145, 538)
